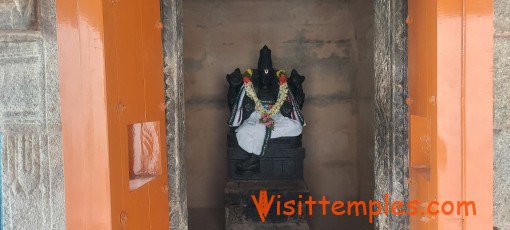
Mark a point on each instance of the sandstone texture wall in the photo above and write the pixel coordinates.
(32, 173)
(328, 41)
(502, 114)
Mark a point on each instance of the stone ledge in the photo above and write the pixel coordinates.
(20, 35)
(274, 185)
(277, 164)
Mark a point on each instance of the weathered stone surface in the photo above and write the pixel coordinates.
(25, 181)
(501, 83)
(501, 179)
(47, 24)
(501, 114)
(502, 17)
(18, 14)
(174, 94)
(391, 148)
(32, 167)
(21, 79)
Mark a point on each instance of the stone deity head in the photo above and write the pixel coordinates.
(265, 70)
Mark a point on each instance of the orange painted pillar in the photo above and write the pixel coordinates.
(478, 113)
(450, 98)
(113, 114)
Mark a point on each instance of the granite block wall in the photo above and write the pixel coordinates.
(501, 114)
(32, 173)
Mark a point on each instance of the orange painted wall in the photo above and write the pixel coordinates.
(111, 76)
(450, 97)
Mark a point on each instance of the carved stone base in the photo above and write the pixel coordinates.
(241, 212)
(276, 164)
(283, 159)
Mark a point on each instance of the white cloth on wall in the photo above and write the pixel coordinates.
(250, 135)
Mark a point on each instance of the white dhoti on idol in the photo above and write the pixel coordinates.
(251, 134)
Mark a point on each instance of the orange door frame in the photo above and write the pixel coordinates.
(111, 76)
(450, 90)
(451, 98)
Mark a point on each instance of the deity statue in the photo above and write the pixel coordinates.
(265, 104)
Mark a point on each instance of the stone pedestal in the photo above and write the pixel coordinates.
(277, 164)
(283, 159)
(281, 175)
(241, 212)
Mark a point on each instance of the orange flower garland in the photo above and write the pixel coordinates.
(282, 96)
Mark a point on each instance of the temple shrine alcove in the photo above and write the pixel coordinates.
(331, 44)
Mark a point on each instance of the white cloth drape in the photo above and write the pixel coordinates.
(250, 135)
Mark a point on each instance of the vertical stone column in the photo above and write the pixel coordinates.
(32, 173)
(174, 94)
(501, 114)
(391, 137)
(1, 203)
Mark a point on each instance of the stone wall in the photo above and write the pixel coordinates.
(502, 114)
(318, 38)
(32, 173)
(365, 89)
(391, 165)
(171, 13)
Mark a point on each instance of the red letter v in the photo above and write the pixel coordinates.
(263, 205)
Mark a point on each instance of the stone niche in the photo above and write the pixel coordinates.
(331, 43)
(144, 153)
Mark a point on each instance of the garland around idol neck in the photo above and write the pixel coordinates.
(267, 114)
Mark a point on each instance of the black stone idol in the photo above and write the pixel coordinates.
(265, 151)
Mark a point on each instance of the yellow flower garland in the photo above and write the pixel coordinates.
(282, 96)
